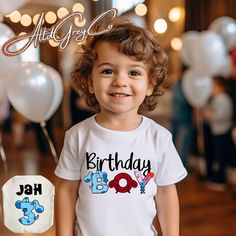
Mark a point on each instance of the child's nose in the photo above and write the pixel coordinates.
(120, 80)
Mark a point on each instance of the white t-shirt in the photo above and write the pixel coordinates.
(119, 173)
(222, 108)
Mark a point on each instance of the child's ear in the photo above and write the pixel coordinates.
(90, 85)
(150, 88)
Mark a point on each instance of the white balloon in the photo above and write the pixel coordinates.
(208, 53)
(226, 69)
(30, 90)
(226, 27)
(58, 91)
(2, 89)
(30, 54)
(187, 43)
(6, 63)
(6, 6)
(197, 89)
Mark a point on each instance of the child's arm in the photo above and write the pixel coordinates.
(65, 200)
(168, 210)
(208, 114)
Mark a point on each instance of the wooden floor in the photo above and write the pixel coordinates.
(203, 212)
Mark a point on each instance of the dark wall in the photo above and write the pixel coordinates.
(200, 13)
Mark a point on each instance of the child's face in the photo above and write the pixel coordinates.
(217, 88)
(119, 83)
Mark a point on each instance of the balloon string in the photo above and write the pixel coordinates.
(2, 153)
(51, 145)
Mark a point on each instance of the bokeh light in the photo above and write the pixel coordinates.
(141, 9)
(175, 14)
(53, 43)
(25, 20)
(80, 23)
(160, 26)
(15, 16)
(78, 7)
(61, 12)
(50, 17)
(176, 43)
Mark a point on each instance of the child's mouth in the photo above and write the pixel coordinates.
(119, 95)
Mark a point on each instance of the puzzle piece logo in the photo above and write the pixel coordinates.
(27, 208)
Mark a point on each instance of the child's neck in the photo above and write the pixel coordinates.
(118, 122)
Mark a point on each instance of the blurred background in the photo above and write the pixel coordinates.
(38, 103)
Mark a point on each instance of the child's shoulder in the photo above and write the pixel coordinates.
(158, 129)
(80, 127)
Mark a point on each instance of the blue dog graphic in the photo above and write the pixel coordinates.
(98, 180)
(27, 208)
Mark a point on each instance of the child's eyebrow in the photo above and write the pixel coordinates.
(131, 65)
(138, 65)
(104, 64)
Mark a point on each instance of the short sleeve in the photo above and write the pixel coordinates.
(170, 169)
(69, 165)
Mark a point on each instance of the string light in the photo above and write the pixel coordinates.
(53, 43)
(80, 23)
(35, 19)
(141, 9)
(176, 43)
(25, 20)
(50, 17)
(78, 7)
(15, 16)
(175, 14)
(160, 26)
(22, 33)
(61, 12)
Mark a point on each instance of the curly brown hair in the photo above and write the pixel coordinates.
(134, 42)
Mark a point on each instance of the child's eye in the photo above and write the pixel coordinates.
(107, 72)
(135, 73)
